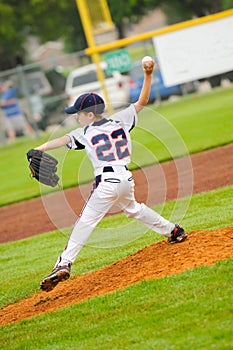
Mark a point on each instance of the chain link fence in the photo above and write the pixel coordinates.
(41, 86)
(41, 89)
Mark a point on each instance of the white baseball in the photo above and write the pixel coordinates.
(147, 61)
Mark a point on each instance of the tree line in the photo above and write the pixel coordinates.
(52, 20)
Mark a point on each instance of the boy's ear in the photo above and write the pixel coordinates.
(91, 115)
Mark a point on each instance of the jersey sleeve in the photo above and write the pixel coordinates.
(75, 140)
(127, 117)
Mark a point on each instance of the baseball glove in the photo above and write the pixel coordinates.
(43, 167)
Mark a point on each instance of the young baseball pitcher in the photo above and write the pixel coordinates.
(108, 145)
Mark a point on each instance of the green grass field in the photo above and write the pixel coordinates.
(190, 310)
(190, 125)
(141, 317)
(169, 313)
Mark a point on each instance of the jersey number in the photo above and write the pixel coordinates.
(104, 151)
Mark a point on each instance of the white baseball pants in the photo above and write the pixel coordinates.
(115, 188)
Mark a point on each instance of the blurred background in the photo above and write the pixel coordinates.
(43, 53)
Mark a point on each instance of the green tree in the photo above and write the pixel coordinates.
(131, 10)
(12, 35)
(58, 20)
(176, 10)
(181, 10)
(53, 20)
(48, 20)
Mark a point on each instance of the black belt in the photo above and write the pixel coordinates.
(106, 169)
(109, 169)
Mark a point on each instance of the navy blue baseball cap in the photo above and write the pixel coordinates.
(89, 102)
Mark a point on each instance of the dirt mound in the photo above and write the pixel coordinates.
(155, 261)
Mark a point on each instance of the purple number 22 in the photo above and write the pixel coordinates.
(105, 151)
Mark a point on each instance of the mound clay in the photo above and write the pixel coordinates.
(211, 169)
(155, 261)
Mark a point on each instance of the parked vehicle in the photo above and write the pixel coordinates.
(46, 100)
(84, 79)
(158, 89)
(38, 80)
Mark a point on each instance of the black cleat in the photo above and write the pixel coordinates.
(59, 274)
(177, 235)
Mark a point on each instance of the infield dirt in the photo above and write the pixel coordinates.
(154, 184)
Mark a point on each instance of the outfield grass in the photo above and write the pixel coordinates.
(191, 308)
(192, 124)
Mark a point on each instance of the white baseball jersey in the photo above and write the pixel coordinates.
(107, 141)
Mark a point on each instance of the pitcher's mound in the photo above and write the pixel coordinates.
(155, 261)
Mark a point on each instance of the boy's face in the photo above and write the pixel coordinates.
(85, 118)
